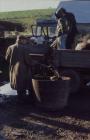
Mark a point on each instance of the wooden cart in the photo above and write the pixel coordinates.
(75, 64)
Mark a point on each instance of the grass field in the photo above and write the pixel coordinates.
(27, 17)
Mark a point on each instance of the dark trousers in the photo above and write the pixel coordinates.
(70, 41)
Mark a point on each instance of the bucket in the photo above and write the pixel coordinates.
(52, 95)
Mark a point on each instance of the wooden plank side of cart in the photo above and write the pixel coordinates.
(73, 59)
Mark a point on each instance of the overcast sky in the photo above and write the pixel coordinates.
(15, 5)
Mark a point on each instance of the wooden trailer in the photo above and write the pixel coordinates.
(75, 64)
(71, 64)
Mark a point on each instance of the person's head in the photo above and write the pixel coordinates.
(60, 12)
(21, 40)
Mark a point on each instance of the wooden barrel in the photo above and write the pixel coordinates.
(52, 95)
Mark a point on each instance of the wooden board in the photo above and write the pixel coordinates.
(72, 58)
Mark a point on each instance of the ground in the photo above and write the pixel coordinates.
(28, 122)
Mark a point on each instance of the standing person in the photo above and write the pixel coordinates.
(19, 72)
(66, 28)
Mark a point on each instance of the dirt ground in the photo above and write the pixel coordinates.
(28, 122)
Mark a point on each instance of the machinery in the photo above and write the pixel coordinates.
(43, 31)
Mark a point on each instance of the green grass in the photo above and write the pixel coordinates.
(27, 17)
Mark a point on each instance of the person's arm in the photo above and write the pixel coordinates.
(54, 44)
(8, 54)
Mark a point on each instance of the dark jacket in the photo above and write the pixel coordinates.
(72, 32)
(67, 25)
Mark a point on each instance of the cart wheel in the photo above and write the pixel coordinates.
(75, 79)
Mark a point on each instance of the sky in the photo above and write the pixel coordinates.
(18, 5)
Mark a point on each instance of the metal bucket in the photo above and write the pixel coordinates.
(52, 95)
